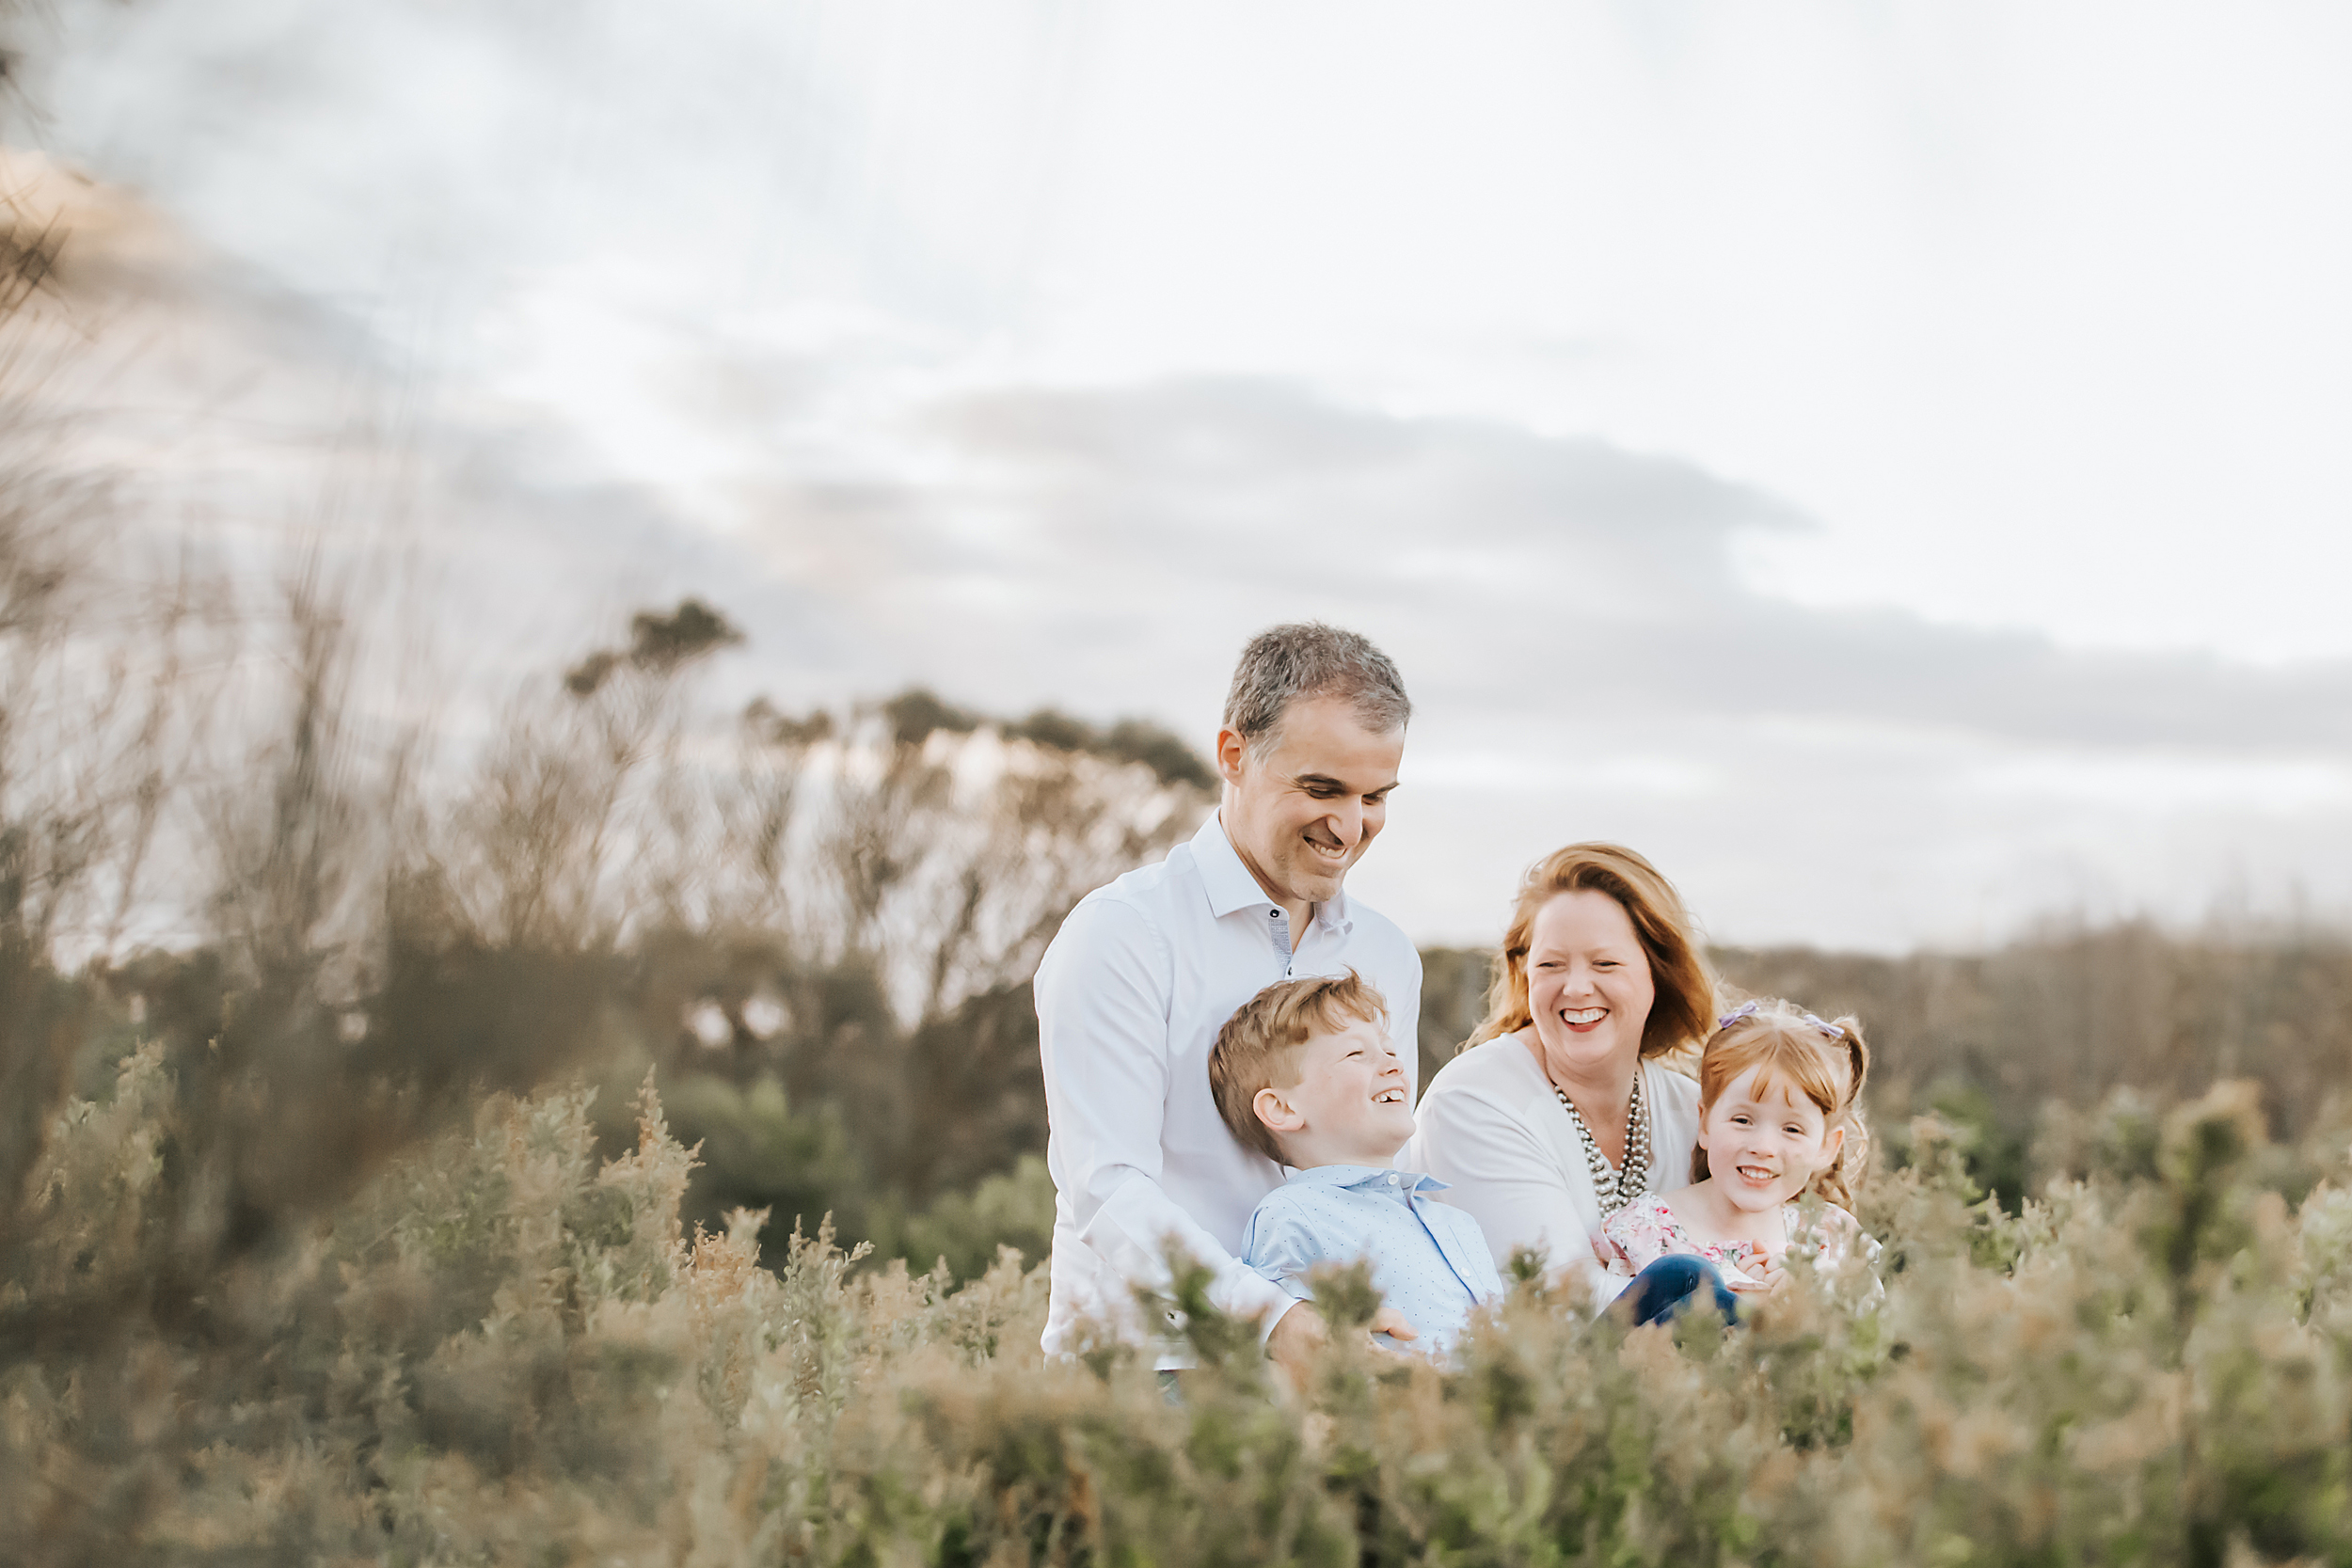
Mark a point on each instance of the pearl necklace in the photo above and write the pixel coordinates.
(1615, 1188)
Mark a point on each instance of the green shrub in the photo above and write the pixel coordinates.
(506, 1350)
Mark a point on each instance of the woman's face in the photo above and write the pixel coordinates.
(1588, 982)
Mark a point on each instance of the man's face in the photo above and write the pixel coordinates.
(1307, 810)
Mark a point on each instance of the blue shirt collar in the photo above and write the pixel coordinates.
(1230, 886)
(1366, 1176)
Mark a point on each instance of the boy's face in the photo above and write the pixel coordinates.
(1351, 1105)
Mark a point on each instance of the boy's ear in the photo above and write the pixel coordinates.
(1275, 1112)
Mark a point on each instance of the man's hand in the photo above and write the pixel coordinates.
(1301, 1332)
(1298, 1335)
(1390, 1322)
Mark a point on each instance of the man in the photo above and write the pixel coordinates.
(1132, 992)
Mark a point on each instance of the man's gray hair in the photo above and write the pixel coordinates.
(1307, 659)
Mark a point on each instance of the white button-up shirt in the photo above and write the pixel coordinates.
(1130, 997)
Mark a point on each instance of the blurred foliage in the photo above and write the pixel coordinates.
(825, 952)
(503, 1348)
(819, 930)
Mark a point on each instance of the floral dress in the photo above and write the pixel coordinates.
(1645, 1231)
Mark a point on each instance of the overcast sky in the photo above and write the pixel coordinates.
(1887, 462)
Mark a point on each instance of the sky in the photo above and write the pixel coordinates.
(1885, 462)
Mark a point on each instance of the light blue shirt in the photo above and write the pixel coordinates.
(1429, 1262)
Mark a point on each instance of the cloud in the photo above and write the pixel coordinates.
(1490, 552)
(1588, 657)
(1586, 660)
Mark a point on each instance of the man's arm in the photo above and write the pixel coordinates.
(1103, 1009)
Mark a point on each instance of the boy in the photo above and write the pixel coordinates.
(1304, 1074)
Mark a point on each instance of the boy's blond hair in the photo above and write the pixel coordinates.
(1258, 1048)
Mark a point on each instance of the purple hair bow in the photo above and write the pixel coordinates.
(1749, 1010)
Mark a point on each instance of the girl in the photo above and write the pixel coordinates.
(1778, 1116)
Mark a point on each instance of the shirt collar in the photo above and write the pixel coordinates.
(1365, 1176)
(1230, 886)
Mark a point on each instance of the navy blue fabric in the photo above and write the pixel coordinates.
(1669, 1287)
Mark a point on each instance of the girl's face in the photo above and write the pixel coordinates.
(1764, 1144)
(1588, 981)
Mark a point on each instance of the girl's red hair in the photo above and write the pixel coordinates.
(1825, 1060)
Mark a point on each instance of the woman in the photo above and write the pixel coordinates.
(1562, 1108)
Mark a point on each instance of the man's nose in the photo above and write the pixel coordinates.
(1346, 821)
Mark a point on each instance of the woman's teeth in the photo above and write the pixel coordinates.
(1585, 1015)
(1388, 1097)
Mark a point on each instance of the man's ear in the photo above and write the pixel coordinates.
(1276, 1113)
(1230, 749)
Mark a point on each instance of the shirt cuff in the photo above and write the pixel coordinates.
(1275, 1315)
(1244, 1292)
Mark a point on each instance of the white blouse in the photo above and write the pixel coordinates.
(1492, 1128)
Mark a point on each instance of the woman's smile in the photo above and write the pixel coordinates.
(1588, 984)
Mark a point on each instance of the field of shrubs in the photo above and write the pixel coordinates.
(507, 1349)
